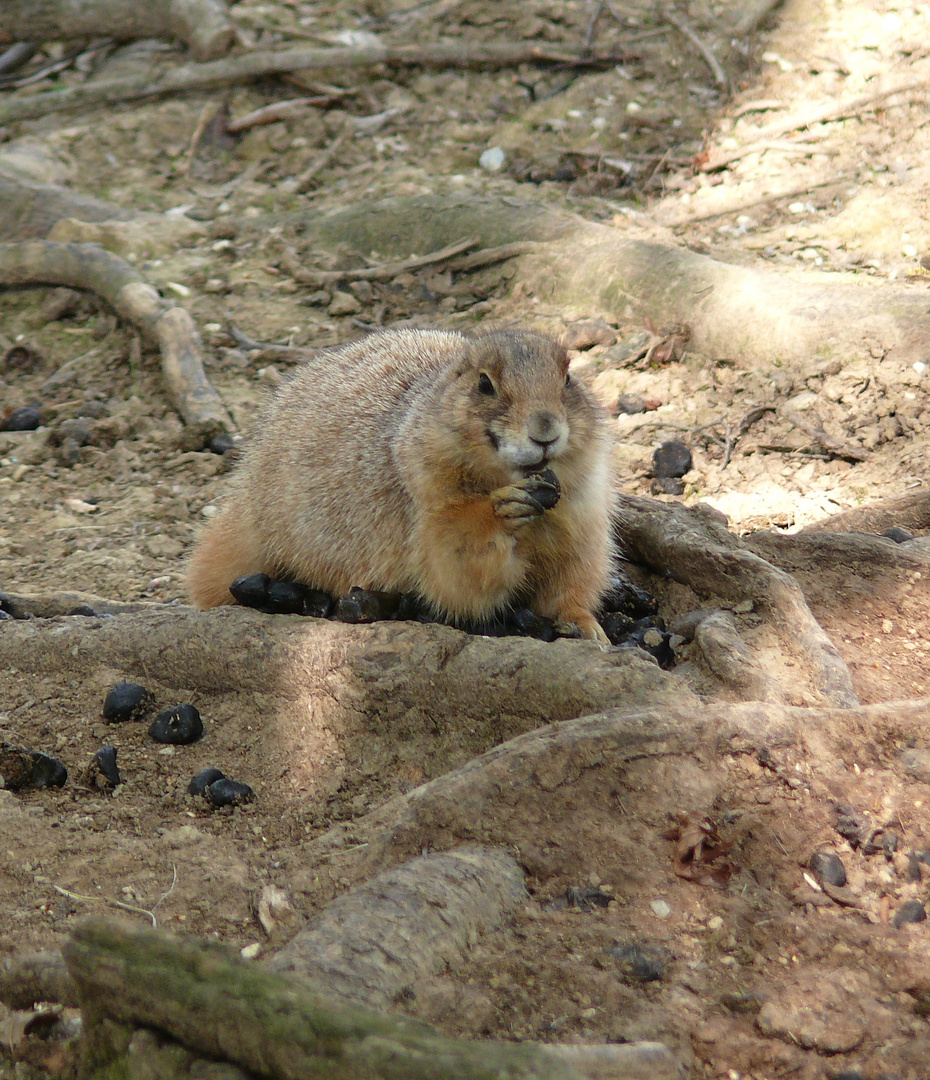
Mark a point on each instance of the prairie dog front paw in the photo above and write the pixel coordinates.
(518, 504)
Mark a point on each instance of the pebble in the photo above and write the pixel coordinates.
(660, 908)
(127, 701)
(343, 303)
(911, 911)
(27, 418)
(492, 159)
(586, 333)
(631, 404)
(827, 868)
(180, 725)
(640, 963)
(21, 768)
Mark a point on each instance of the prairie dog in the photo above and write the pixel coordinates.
(408, 462)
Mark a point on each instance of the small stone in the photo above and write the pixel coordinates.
(660, 908)
(898, 534)
(827, 868)
(631, 404)
(911, 911)
(127, 701)
(586, 333)
(492, 159)
(180, 725)
(672, 459)
(228, 792)
(202, 780)
(640, 963)
(27, 418)
(343, 303)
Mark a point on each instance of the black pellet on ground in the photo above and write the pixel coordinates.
(180, 725)
(27, 418)
(911, 911)
(627, 598)
(105, 761)
(898, 534)
(260, 592)
(226, 792)
(671, 459)
(827, 868)
(127, 701)
(202, 780)
(22, 768)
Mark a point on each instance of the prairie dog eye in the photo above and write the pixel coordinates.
(568, 378)
(485, 386)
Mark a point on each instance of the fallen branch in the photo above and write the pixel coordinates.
(278, 110)
(87, 266)
(258, 65)
(204, 25)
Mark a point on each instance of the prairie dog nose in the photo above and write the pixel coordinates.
(544, 428)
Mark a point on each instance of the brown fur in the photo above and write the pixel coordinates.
(401, 462)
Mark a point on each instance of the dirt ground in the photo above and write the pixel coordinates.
(758, 979)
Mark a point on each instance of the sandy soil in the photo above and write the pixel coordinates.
(756, 981)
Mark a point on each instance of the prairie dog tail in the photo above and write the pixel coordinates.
(225, 551)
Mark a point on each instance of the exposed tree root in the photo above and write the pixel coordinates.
(206, 998)
(911, 511)
(204, 25)
(534, 783)
(694, 547)
(758, 315)
(87, 266)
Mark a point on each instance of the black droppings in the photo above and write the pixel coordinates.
(202, 780)
(178, 726)
(105, 761)
(226, 792)
(671, 459)
(127, 701)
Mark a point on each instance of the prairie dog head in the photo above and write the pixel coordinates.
(519, 409)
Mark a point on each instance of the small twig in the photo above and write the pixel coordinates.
(385, 272)
(107, 900)
(207, 114)
(820, 114)
(489, 256)
(322, 161)
(816, 432)
(588, 40)
(683, 27)
(750, 418)
(174, 880)
(278, 110)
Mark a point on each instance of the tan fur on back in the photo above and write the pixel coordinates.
(388, 464)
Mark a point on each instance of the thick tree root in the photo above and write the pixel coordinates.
(205, 997)
(204, 25)
(695, 548)
(376, 941)
(759, 316)
(87, 266)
